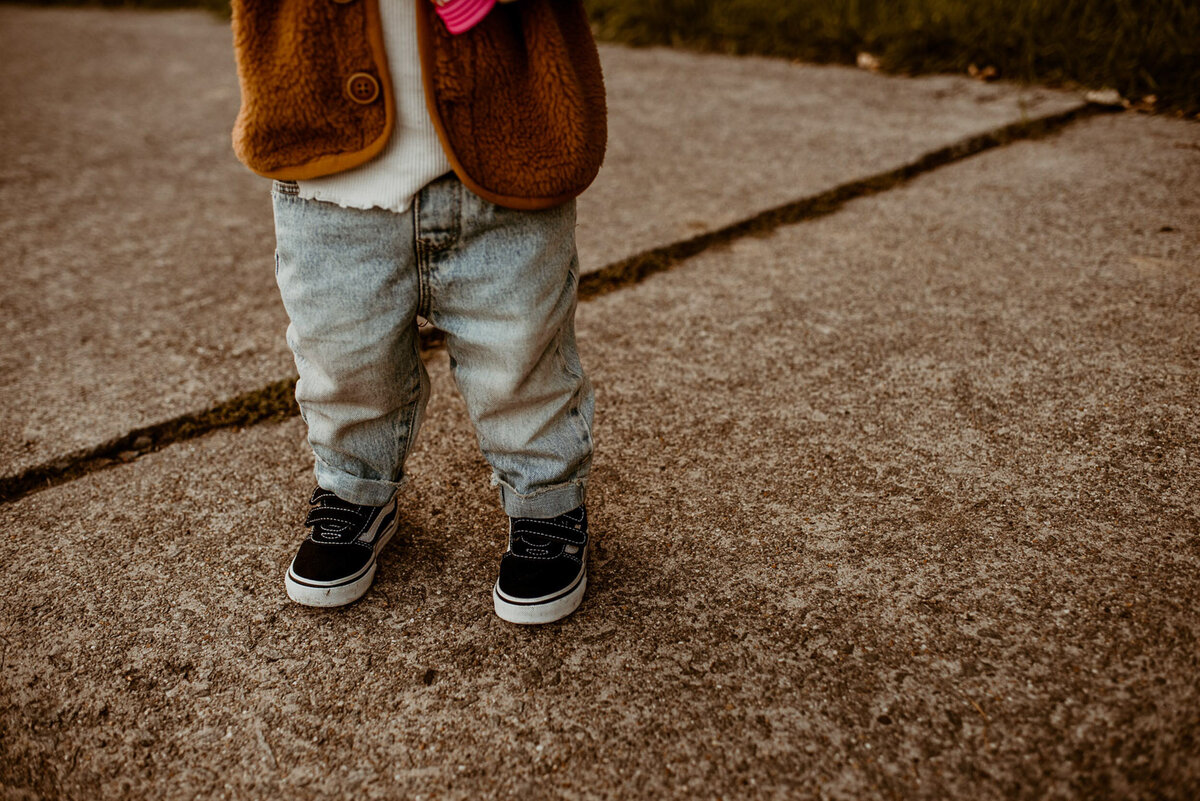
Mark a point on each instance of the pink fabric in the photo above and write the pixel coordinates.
(462, 15)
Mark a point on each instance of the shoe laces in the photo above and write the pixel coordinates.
(534, 538)
(333, 519)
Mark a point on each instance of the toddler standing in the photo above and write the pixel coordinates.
(423, 173)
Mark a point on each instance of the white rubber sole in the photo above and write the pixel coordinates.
(329, 594)
(346, 591)
(532, 613)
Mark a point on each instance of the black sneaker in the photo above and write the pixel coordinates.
(336, 564)
(544, 572)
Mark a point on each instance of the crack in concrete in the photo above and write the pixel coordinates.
(638, 267)
(276, 401)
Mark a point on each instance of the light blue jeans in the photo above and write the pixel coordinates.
(502, 286)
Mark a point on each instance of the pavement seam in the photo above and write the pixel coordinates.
(276, 401)
(638, 267)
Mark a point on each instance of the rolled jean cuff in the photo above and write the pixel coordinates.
(543, 503)
(367, 491)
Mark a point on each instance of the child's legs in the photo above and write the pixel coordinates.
(349, 284)
(502, 285)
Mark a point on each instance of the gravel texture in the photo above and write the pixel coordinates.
(137, 251)
(902, 502)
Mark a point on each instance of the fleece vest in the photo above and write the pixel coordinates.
(518, 101)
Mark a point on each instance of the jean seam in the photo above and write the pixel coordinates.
(584, 425)
(412, 417)
(574, 410)
(420, 258)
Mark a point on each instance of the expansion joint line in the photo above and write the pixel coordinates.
(276, 401)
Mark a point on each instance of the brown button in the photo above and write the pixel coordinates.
(362, 88)
(343, 2)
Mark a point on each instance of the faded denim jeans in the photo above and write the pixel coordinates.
(502, 286)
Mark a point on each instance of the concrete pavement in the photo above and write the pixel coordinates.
(134, 215)
(899, 502)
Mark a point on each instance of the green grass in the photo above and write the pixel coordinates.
(1139, 47)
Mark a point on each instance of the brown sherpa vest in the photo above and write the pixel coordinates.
(518, 101)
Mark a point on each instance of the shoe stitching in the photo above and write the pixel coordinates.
(550, 523)
(536, 527)
(320, 514)
(370, 546)
(579, 538)
(562, 554)
(569, 557)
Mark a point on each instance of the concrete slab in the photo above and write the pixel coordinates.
(701, 141)
(898, 503)
(136, 251)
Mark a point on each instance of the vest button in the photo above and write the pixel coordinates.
(362, 88)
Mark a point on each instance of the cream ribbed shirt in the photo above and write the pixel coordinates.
(413, 156)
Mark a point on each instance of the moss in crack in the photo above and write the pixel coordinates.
(276, 401)
(638, 267)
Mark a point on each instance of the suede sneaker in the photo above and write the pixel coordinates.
(544, 572)
(336, 563)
